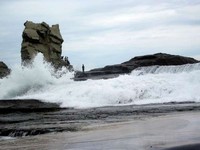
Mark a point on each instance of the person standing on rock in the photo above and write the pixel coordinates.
(66, 60)
(83, 68)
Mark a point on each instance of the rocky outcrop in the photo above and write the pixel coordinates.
(160, 59)
(40, 37)
(4, 70)
(111, 71)
(26, 105)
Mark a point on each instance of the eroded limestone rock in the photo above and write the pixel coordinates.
(40, 37)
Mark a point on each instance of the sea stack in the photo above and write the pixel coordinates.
(40, 37)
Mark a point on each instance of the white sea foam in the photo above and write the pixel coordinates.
(168, 69)
(3, 138)
(140, 87)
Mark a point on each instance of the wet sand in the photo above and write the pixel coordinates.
(42, 119)
(146, 133)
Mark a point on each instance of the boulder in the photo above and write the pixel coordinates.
(4, 70)
(40, 37)
(111, 71)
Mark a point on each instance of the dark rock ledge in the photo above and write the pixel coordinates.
(112, 71)
(26, 105)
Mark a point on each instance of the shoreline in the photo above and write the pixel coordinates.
(170, 131)
(150, 127)
(37, 105)
(36, 121)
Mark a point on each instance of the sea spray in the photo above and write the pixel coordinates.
(32, 78)
(139, 87)
(167, 69)
(126, 89)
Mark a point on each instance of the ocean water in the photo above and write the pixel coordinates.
(143, 86)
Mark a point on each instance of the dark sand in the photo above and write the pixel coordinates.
(149, 133)
(149, 127)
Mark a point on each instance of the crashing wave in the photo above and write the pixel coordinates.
(167, 69)
(156, 85)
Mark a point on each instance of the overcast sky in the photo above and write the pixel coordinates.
(102, 32)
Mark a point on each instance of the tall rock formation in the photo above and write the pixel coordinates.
(4, 70)
(40, 37)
